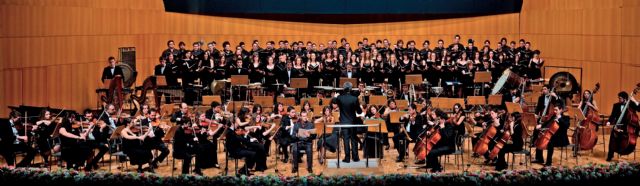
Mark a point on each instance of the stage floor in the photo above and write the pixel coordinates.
(388, 165)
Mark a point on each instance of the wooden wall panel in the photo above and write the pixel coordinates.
(63, 45)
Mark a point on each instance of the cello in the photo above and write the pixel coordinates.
(428, 140)
(420, 149)
(482, 146)
(629, 117)
(504, 139)
(585, 136)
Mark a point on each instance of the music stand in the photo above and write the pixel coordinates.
(413, 79)
(239, 81)
(375, 129)
(394, 117)
(353, 81)
(476, 101)
(482, 77)
(299, 83)
(578, 116)
(350, 126)
(495, 99)
(206, 100)
(289, 101)
(265, 101)
(513, 107)
(161, 81)
(377, 100)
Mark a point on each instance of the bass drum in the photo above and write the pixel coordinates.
(509, 79)
(129, 75)
(565, 83)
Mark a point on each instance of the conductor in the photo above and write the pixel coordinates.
(349, 105)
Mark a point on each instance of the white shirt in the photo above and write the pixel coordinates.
(162, 70)
(113, 70)
(15, 131)
(349, 74)
(292, 124)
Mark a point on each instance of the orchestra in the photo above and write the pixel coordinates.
(429, 128)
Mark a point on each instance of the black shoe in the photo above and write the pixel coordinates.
(310, 170)
(198, 172)
(346, 160)
(436, 170)
(420, 162)
(285, 160)
(356, 160)
(537, 161)
(87, 168)
(294, 170)
(154, 165)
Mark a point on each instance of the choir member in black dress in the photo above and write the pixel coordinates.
(256, 70)
(271, 75)
(112, 70)
(329, 69)
(206, 68)
(535, 66)
(12, 141)
(393, 72)
(313, 73)
(187, 69)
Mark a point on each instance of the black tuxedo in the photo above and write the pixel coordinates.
(559, 139)
(354, 74)
(167, 73)
(106, 73)
(8, 147)
(179, 118)
(349, 106)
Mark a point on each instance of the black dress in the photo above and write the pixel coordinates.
(313, 75)
(256, 73)
(270, 77)
(206, 152)
(73, 151)
(367, 73)
(138, 153)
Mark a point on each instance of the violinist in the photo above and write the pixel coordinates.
(326, 141)
(413, 126)
(446, 145)
(155, 142)
(302, 142)
(279, 112)
(458, 120)
(372, 113)
(513, 126)
(205, 149)
(244, 122)
(73, 149)
(110, 117)
(286, 132)
(43, 131)
(181, 117)
(132, 144)
(391, 107)
(559, 139)
(184, 141)
(237, 146)
(97, 136)
(263, 133)
(11, 141)
(214, 117)
(616, 112)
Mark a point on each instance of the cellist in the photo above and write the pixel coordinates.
(413, 125)
(559, 139)
(513, 126)
(616, 112)
(446, 145)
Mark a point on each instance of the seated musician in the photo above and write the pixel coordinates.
(512, 96)
(43, 131)
(214, 116)
(515, 129)
(110, 117)
(302, 142)
(205, 149)
(263, 134)
(133, 144)
(326, 141)
(97, 138)
(237, 146)
(74, 150)
(155, 142)
(181, 117)
(391, 107)
(484, 121)
(372, 113)
(446, 145)
(184, 141)
(112, 70)
(286, 132)
(615, 140)
(245, 122)
(404, 94)
(413, 125)
(559, 139)
(11, 141)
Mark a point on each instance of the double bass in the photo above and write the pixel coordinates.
(629, 117)
(115, 94)
(585, 136)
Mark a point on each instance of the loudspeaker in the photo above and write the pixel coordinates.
(128, 56)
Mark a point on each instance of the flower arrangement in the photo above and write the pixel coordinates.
(590, 174)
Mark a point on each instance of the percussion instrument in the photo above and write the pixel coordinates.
(508, 79)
